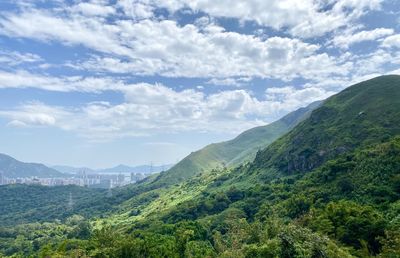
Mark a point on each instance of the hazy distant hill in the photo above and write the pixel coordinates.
(13, 168)
(72, 170)
(147, 169)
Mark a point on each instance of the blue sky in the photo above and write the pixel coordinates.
(99, 83)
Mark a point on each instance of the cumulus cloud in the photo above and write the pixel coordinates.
(306, 18)
(132, 39)
(14, 58)
(344, 41)
(163, 47)
(136, 10)
(33, 114)
(26, 79)
(166, 49)
(392, 41)
(150, 109)
(76, 29)
(240, 81)
(93, 9)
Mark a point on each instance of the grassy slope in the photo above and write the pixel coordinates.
(236, 151)
(349, 124)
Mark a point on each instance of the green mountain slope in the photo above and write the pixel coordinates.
(236, 151)
(337, 173)
(328, 188)
(366, 113)
(13, 168)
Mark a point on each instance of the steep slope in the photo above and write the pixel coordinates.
(236, 151)
(365, 113)
(337, 173)
(13, 168)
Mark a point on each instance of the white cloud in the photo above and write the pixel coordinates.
(14, 58)
(293, 98)
(76, 29)
(241, 81)
(344, 41)
(93, 9)
(392, 41)
(25, 79)
(150, 47)
(153, 109)
(33, 114)
(136, 10)
(129, 39)
(306, 18)
(166, 49)
(397, 71)
(17, 123)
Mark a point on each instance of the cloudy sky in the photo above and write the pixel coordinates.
(103, 82)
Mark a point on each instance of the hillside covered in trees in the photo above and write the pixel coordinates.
(330, 187)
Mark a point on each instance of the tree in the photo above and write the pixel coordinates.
(351, 223)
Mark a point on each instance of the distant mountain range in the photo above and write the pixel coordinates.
(146, 169)
(72, 170)
(13, 168)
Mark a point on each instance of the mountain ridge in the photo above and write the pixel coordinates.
(236, 151)
(370, 108)
(121, 168)
(13, 168)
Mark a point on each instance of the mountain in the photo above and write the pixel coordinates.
(236, 151)
(147, 169)
(361, 115)
(72, 170)
(13, 168)
(335, 176)
(330, 187)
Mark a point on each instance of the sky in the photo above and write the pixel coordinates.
(102, 82)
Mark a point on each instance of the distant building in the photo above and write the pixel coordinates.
(120, 178)
(137, 177)
(2, 179)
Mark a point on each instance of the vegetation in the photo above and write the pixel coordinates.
(234, 152)
(328, 188)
